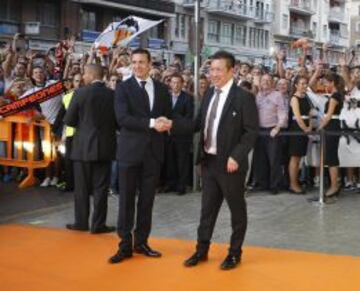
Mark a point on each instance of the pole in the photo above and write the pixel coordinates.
(322, 155)
(196, 82)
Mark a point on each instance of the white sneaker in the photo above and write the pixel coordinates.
(349, 186)
(54, 181)
(45, 183)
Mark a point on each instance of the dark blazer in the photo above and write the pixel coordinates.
(91, 112)
(183, 109)
(133, 117)
(237, 131)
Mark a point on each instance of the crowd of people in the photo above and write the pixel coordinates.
(281, 93)
(128, 123)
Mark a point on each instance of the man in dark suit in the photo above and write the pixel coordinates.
(178, 145)
(228, 124)
(91, 112)
(139, 101)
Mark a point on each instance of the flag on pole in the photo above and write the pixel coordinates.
(123, 32)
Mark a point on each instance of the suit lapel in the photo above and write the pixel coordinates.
(179, 101)
(207, 100)
(139, 92)
(228, 101)
(157, 97)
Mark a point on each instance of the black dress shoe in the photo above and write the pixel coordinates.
(104, 229)
(120, 256)
(76, 227)
(230, 262)
(147, 251)
(195, 259)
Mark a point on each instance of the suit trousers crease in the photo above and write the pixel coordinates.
(92, 178)
(140, 180)
(218, 186)
(177, 163)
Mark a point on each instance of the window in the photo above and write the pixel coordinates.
(266, 39)
(213, 33)
(325, 30)
(9, 11)
(314, 28)
(240, 35)
(88, 20)
(285, 21)
(227, 34)
(177, 25)
(252, 37)
(48, 13)
(182, 25)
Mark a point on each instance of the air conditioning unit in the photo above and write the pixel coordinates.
(32, 28)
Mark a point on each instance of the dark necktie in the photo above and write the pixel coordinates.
(143, 84)
(211, 119)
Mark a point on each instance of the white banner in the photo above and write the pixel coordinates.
(123, 32)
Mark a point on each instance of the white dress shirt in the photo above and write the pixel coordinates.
(150, 89)
(223, 97)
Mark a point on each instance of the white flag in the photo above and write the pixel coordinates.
(123, 32)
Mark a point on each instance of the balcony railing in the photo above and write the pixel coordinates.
(336, 15)
(231, 8)
(264, 16)
(300, 32)
(189, 3)
(338, 39)
(302, 6)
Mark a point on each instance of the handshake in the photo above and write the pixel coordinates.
(162, 124)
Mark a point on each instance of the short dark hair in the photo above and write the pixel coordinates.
(203, 77)
(141, 51)
(96, 69)
(246, 85)
(178, 76)
(224, 55)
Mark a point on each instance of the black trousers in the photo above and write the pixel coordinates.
(218, 186)
(91, 178)
(69, 167)
(177, 163)
(267, 162)
(141, 180)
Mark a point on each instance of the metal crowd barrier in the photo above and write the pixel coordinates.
(28, 152)
(321, 133)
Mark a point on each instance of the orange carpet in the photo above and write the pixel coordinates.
(41, 259)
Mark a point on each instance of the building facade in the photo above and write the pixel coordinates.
(355, 25)
(44, 22)
(320, 21)
(242, 27)
(251, 29)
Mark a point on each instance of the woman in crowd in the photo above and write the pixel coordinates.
(335, 85)
(300, 107)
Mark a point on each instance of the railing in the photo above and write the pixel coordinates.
(264, 16)
(301, 32)
(231, 7)
(336, 15)
(302, 5)
(336, 38)
(25, 150)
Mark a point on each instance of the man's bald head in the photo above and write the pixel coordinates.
(92, 73)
